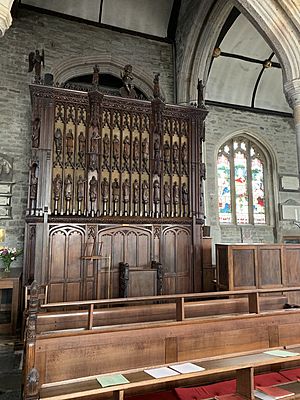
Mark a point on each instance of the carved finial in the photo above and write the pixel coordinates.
(200, 88)
(156, 88)
(95, 80)
(127, 90)
(36, 61)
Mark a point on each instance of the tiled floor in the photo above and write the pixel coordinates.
(10, 369)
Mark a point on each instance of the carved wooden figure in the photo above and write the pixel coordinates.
(106, 150)
(105, 194)
(80, 193)
(36, 61)
(36, 126)
(57, 185)
(167, 197)
(145, 153)
(167, 157)
(58, 146)
(81, 150)
(93, 192)
(69, 147)
(126, 193)
(175, 197)
(116, 151)
(136, 196)
(33, 187)
(136, 154)
(68, 192)
(115, 195)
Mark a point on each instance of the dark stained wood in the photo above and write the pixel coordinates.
(118, 171)
(11, 280)
(258, 266)
(152, 312)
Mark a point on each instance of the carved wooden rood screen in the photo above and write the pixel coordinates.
(122, 172)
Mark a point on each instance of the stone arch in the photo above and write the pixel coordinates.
(269, 18)
(107, 63)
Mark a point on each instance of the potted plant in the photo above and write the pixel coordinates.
(8, 255)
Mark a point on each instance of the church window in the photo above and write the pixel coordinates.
(241, 171)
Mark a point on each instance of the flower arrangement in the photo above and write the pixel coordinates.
(8, 255)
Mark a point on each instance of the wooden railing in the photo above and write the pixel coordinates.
(179, 299)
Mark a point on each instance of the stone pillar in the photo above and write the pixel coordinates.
(5, 17)
(292, 92)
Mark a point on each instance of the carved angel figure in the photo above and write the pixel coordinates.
(36, 60)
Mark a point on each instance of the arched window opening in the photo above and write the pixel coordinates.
(241, 171)
(108, 84)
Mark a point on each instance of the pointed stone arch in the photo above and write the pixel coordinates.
(76, 66)
(276, 20)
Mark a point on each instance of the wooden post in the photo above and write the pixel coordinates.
(244, 382)
(180, 309)
(118, 395)
(91, 317)
(253, 302)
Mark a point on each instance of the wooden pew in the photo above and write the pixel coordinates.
(73, 354)
(242, 364)
(55, 321)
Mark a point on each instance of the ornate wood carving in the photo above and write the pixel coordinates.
(123, 279)
(113, 161)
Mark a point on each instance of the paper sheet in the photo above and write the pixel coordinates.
(111, 380)
(186, 368)
(161, 372)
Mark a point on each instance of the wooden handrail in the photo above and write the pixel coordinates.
(178, 299)
(169, 297)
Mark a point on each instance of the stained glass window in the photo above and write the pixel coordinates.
(241, 183)
(224, 191)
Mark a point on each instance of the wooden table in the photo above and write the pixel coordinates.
(11, 280)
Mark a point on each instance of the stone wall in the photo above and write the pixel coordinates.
(61, 39)
(277, 136)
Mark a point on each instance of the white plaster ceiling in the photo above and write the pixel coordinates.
(233, 80)
(144, 16)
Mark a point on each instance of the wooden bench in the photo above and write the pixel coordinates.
(243, 365)
(62, 356)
